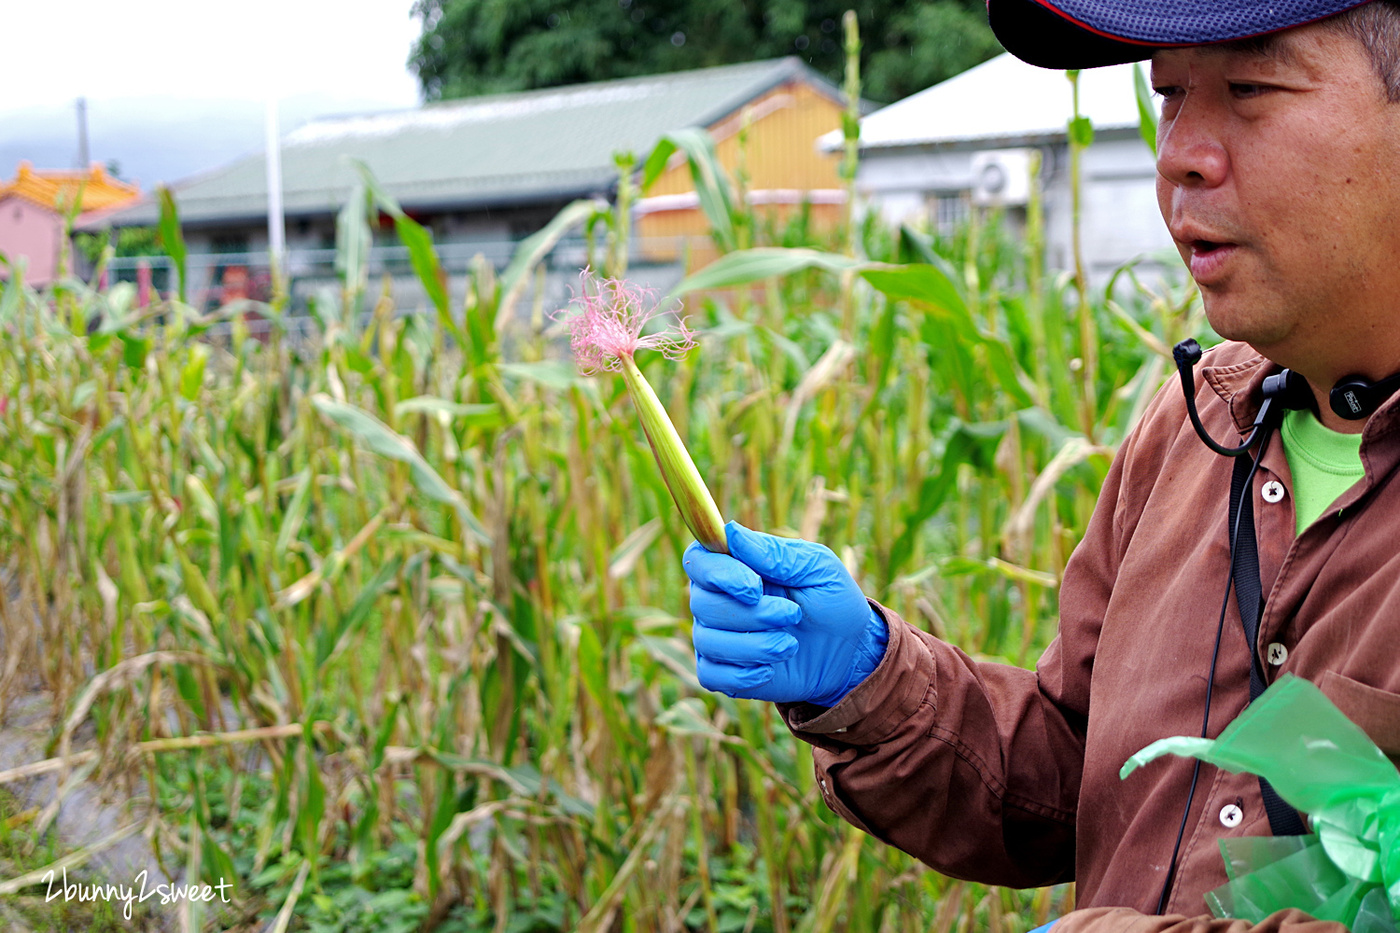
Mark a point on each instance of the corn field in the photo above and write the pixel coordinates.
(391, 631)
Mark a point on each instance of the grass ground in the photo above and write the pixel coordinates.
(42, 908)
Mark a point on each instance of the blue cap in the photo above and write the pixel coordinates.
(1088, 33)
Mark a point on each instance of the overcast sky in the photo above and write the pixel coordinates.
(178, 86)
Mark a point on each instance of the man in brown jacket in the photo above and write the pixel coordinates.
(1279, 179)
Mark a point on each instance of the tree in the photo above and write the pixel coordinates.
(471, 47)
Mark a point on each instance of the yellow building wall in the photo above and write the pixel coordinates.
(780, 155)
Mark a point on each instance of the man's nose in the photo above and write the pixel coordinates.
(1190, 151)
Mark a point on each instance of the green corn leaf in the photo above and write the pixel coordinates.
(188, 687)
(313, 800)
(294, 514)
(930, 288)
(551, 374)
(383, 440)
(171, 237)
(331, 639)
(419, 242)
(754, 265)
(535, 247)
(353, 239)
(197, 587)
(591, 667)
(1081, 131)
(424, 260)
(192, 376)
(712, 185)
(919, 282)
(882, 345)
(1147, 113)
(483, 415)
(688, 717)
(973, 444)
(217, 866)
(134, 350)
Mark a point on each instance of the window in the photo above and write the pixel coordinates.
(948, 209)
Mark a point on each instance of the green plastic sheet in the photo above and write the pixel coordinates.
(1322, 764)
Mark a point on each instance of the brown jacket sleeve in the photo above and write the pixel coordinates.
(974, 768)
(920, 755)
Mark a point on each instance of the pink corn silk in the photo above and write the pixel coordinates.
(607, 323)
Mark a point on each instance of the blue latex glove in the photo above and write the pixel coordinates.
(1045, 927)
(780, 619)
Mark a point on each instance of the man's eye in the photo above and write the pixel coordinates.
(1243, 89)
(1166, 91)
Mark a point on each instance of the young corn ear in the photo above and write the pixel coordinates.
(605, 334)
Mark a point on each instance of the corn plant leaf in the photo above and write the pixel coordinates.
(673, 654)
(331, 639)
(170, 236)
(352, 243)
(216, 865)
(295, 513)
(313, 800)
(383, 440)
(535, 247)
(1147, 113)
(972, 444)
(688, 717)
(479, 415)
(419, 243)
(192, 376)
(442, 818)
(1081, 131)
(424, 260)
(882, 346)
(919, 282)
(12, 290)
(764, 262)
(712, 185)
(188, 688)
(592, 668)
(789, 348)
(931, 288)
(551, 374)
(197, 587)
(134, 350)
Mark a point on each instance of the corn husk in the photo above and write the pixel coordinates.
(687, 488)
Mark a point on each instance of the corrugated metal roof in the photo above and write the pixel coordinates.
(500, 149)
(1000, 99)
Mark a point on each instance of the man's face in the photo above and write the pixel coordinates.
(1278, 175)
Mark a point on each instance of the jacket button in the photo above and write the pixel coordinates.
(1277, 654)
(1231, 816)
(1273, 491)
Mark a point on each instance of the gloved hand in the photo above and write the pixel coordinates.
(780, 619)
(1045, 927)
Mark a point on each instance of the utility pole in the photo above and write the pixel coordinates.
(276, 224)
(82, 134)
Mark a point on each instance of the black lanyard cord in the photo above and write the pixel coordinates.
(1245, 582)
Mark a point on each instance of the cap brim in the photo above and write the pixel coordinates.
(1090, 33)
(1042, 36)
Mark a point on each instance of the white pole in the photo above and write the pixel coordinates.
(276, 223)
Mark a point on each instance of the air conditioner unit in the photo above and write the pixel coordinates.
(1001, 177)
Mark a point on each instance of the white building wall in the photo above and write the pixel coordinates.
(1120, 223)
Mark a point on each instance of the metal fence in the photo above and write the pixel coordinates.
(216, 279)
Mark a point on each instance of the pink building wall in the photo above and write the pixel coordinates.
(28, 230)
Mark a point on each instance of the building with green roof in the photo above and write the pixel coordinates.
(481, 172)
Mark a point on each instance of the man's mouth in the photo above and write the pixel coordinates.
(1207, 246)
(1209, 260)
